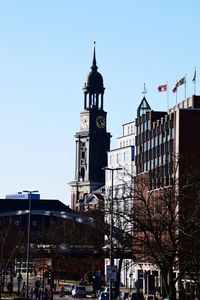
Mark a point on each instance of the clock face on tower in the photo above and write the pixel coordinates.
(84, 122)
(100, 121)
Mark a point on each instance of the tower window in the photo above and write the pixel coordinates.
(83, 154)
(82, 173)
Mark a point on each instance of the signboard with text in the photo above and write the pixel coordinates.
(112, 273)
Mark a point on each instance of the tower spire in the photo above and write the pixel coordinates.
(94, 63)
(93, 87)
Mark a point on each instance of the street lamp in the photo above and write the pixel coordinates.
(112, 170)
(131, 276)
(28, 239)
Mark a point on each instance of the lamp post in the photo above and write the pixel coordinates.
(131, 276)
(28, 239)
(112, 170)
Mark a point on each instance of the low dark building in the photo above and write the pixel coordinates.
(61, 240)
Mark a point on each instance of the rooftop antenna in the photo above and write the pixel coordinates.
(145, 90)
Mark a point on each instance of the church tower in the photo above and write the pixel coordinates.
(92, 141)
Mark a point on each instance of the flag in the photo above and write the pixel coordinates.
(174, 89)
(181, 81)
(194, 78)
(162, 88)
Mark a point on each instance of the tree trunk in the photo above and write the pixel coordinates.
(117, 285)
(172, 287)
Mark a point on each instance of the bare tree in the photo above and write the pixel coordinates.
(162, 224)
(11, 241)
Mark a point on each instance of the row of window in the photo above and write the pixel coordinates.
(129, 129)
(119, 158)
(155, 140)
(158, 182)
(46, 222)
(159, 153)
(154, 159)
(147, 130)
(126, 143)
(122, 196)
(143, 127)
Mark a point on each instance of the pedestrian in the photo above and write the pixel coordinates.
(23, 289)
(24, 285)
(37, 293)
(31, 292)
(46, 294)
(9, 287)
(62, 291)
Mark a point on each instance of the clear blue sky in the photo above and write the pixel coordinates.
(46, 51)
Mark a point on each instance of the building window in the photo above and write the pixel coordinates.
(160, 161)
(110, 160)
(126, 156)
(156, 140)
(172, 133)
(163, 137)
(149, 124)
(131, 129)
(160, 138)
(119, 158)
(141, 128)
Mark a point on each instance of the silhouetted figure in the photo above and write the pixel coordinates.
(62, 291)
(10, 287)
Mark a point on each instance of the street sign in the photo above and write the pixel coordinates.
(112, 273)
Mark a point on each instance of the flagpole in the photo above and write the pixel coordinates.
(176, 91)
(194, 81)
(167, 97)
(185, 86)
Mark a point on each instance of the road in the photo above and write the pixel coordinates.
(56, 295)
(68, 297)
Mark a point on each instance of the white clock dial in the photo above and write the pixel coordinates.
(84, 122)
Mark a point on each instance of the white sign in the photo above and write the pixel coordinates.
(112, 273)
(23, 196)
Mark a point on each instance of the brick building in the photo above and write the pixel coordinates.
(167, 153)
(162, 136)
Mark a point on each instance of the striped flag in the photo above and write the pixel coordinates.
(162, 88)
(180, 82)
